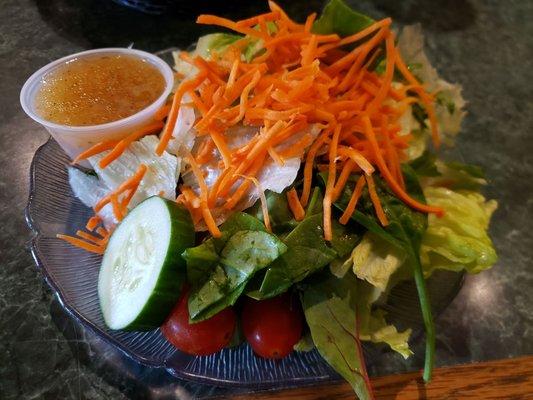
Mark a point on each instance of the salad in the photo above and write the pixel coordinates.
(290, 182)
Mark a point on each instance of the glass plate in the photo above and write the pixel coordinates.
(72, 274)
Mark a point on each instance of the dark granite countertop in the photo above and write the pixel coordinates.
(485, 45)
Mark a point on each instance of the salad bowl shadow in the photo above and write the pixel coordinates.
(72, 275)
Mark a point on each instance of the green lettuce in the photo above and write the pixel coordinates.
(339, 18)
(458, 240)
(449, 107)
(379, 265)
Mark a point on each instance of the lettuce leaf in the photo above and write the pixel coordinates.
(379, 265)
(458, 240)
(449, 100)
(337, 17)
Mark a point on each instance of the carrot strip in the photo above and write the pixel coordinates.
(81, 244)
(308, 168)
(90, 238)
(375, 200)
(328, 200)
(124, 143)
(222, 147)
(295, 205)
(357, 157)
(398, 191)
(96, 149)
(262, 198)
(226, 23)
(204, 192)
(350, 208)
(248, 22)
(162, 113)
(183, 88)
(346, 171)
(92, 223)
(426, 99)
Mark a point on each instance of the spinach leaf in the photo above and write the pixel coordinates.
(339, 18)
(405, 230)
(307, 252)
(281, 218)
(425, 165)
(330, 309)
(219, 268)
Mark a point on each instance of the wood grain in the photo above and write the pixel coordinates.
(510, 379)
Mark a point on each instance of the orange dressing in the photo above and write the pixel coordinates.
(98, 89)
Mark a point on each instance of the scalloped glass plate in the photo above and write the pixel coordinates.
(72, 274)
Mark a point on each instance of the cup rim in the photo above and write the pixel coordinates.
(159, 63)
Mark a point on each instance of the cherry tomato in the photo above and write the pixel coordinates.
(272, 326)
(201, 338)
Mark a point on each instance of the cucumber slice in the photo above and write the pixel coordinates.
(142, 270)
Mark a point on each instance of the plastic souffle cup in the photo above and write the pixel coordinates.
(76, 139)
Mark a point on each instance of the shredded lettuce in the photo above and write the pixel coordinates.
(459, 240)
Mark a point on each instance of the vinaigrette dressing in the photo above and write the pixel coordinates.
(99, 89)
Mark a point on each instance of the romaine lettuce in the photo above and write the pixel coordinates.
(458, 240)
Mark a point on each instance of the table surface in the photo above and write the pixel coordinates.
(487, 46)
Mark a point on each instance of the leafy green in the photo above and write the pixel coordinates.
(405, 230)
(281, 217)
(330, 308)
(305, 344)
(315, 203)
(219, 268)
(425, 165)
(307, 252)
(458, 240)
(215, 41)
(453, 175)
(339, 18)
(375, 260)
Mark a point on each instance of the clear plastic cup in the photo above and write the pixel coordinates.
(75, 139)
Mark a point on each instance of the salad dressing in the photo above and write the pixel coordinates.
(97, 90)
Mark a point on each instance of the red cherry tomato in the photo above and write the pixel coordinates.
(272, 326)
(201, 338)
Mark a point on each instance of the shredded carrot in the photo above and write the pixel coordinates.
(124, 143)
(262, 198)
(82, 244)
(204, 193)
(295, 205)
(96, 149)
(90, 238)
(92, 223)
(162, 113)
(183, 88)
(347, 169)
(350, 208)
(398, 191)
(328, 196)
(375, 201)
(309, 96)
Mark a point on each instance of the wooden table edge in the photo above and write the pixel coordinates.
(510, 378)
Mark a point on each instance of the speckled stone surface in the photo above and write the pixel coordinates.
(486, 46)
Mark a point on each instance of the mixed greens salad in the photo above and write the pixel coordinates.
(289, 184)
